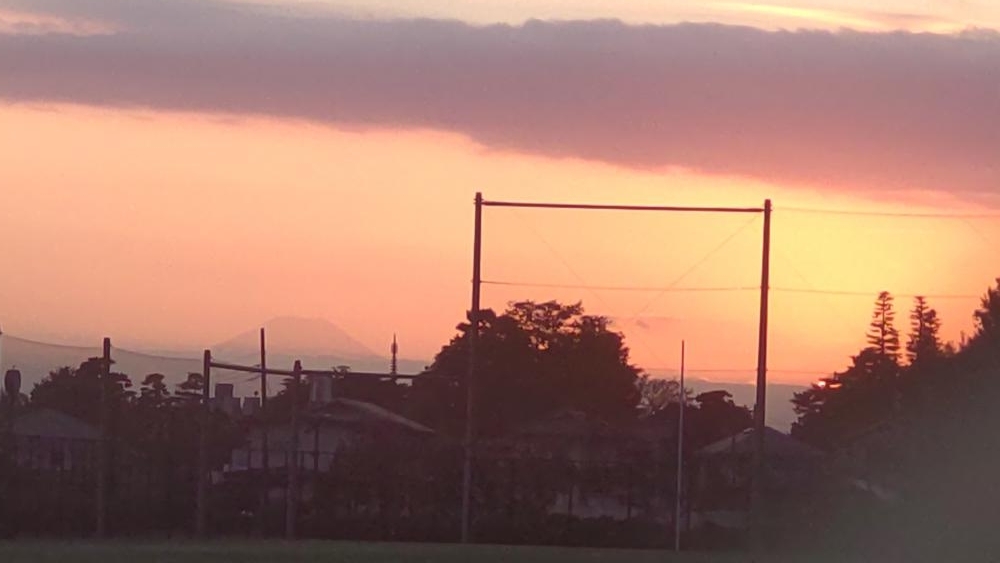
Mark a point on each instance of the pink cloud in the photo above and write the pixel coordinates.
(845, 110)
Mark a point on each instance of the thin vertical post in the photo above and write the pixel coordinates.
(680, 458)
(394, 350)
(201, 520)
(470, 380)
(292, 496)
(757, 487)
(316, 450)
(103, 447)
(12, 388)
(264, 459)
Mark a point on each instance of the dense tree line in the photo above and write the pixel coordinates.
(918, 420)
(887, 380)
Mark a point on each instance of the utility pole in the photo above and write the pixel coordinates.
(470, 380)
(201, 521)
(292, 494)
(11, 396)
(264, 461)
(394, 350)
(757, 503)
(103, 449)
(680, 457)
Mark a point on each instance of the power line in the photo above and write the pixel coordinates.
(156, 356)
(670, 289)
(639, 338)
(901, 214)
(95, 349)
(722, 244)
(791, 265)
(850, 293)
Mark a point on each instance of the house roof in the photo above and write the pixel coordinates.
(48, 423)
(775, 443)
(350, 411)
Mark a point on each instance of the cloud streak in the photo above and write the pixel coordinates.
(848, 110)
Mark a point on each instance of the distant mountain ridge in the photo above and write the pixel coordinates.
(779, 412)
(317, 343)
(297, 336)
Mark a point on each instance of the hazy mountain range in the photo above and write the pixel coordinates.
(318, 343)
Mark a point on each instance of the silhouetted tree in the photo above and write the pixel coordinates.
(716, 416)
(190, 391)
(846, 403)
(77, 392)
(937, 453)
(987, 316)
(598, 377)
(882, 333)
(875, 388)
(655, 393)
(153, 392)
(535, 358)
(923, 344)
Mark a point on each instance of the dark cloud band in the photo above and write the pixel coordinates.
(846, 110)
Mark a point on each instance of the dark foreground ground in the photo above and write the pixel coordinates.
(278, 552)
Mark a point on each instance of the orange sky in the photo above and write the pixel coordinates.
(172, 184)
(179, 230)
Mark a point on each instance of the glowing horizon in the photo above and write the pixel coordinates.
(338, 241)
(178, 172)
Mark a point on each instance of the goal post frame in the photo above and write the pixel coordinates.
(756, 494)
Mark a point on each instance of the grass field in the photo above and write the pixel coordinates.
(279, 552)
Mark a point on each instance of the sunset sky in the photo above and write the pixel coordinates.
(175, 172)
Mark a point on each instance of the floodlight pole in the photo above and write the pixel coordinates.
(680, 451)
(757, 507)
(470, 380)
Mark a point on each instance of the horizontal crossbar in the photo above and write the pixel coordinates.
(322, 372)
(623, 207)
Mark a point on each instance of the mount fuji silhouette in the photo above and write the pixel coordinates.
(318, 343)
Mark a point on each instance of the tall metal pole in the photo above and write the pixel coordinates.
(201, 519)
(757, 508)
(470, 380)
(292, 494)
(102, 461)
(264, 459)
(680, 457)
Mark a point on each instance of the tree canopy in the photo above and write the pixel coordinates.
(876, 388)
(538, 357)
(924, 343)
(882, 333)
